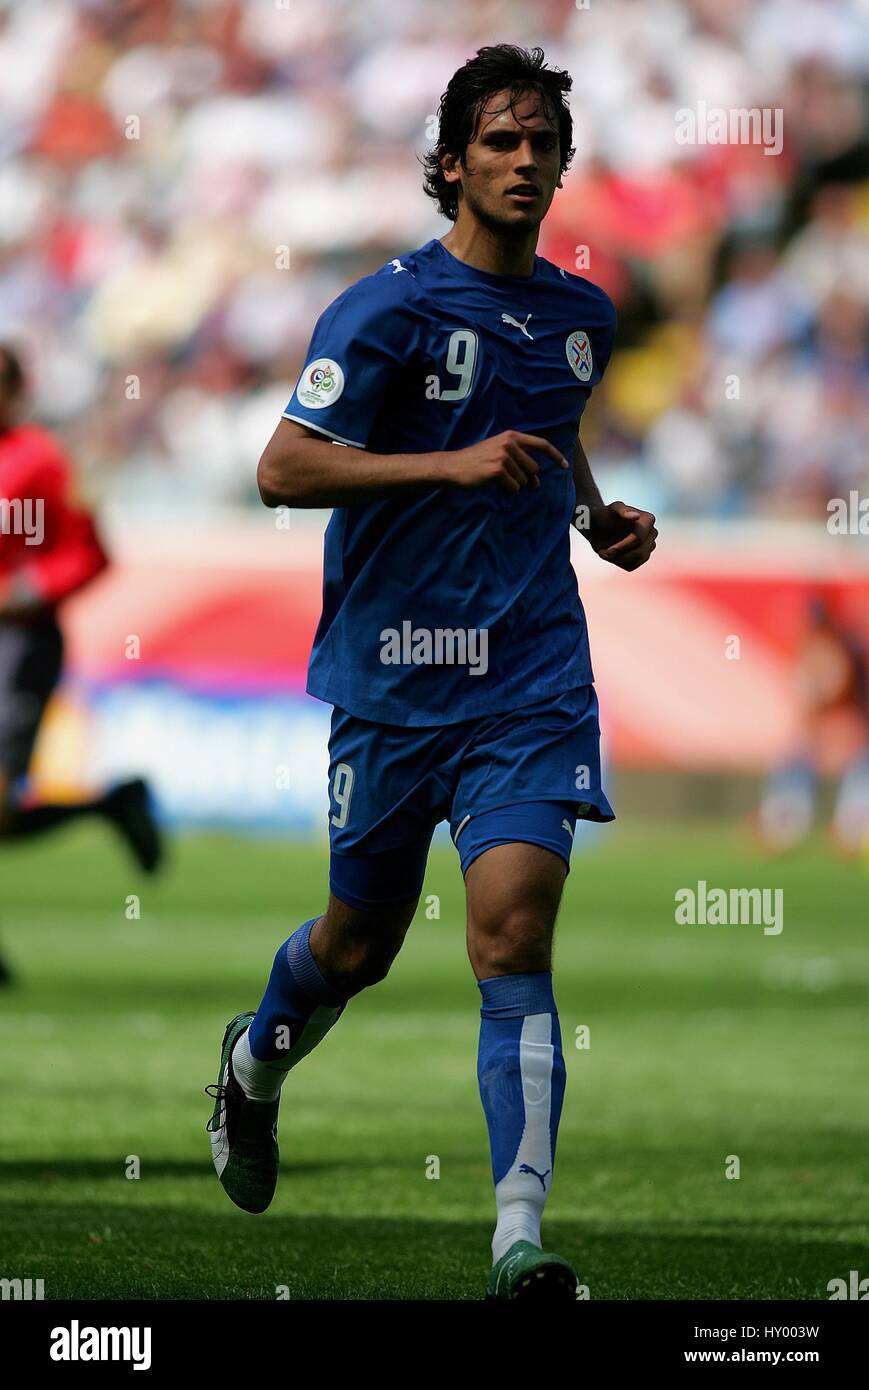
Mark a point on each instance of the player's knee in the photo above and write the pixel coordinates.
(358, 964)
(518, 942)
(358, 948)
(370, 965)
(508, 959)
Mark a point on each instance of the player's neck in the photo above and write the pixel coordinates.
(479, 247)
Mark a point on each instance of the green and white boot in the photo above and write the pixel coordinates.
(528, 1272)
(244, 1138)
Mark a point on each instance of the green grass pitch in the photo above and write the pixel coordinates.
(706, 1041)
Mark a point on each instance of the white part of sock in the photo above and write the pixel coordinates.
(259, 1080)
(263, 1080)
(520, 1196)
(518, 1219)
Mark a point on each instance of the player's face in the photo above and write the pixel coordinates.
(513, 166)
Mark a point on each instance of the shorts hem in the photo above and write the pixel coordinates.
(599, 809)
(362, 904)
(479, 850)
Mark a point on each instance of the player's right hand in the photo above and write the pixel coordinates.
(504, 459)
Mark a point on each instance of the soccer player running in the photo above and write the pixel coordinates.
(452, 642)
(49, 549)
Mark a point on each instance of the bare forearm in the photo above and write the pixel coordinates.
(587, 494)
(623, 536)
(298, 469)
(318, 473)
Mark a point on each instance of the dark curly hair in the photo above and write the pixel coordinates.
(500, 67)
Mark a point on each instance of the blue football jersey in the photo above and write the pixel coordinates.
(452, 603)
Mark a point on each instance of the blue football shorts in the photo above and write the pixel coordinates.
(526, 776)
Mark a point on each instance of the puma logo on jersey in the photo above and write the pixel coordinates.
(508, 318)
(397, 266)
(565, 825)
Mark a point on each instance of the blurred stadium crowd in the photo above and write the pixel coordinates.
(185, 186)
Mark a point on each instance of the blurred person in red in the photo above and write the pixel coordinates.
(49, 548)
(833, 698)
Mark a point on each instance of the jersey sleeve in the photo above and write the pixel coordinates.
(359, 346)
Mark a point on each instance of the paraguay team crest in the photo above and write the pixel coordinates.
(320, 384)
(578, 349)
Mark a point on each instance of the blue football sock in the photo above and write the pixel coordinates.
(521, 1072)
(297, 1010)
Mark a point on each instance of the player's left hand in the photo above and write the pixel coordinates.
(622, 535)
